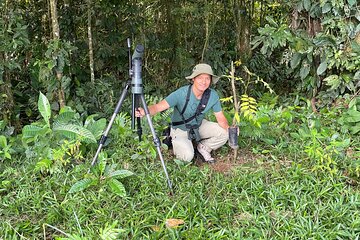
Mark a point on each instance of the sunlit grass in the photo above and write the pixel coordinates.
(249, 202)
(272, 192)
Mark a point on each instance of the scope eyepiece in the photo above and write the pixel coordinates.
(139, 51)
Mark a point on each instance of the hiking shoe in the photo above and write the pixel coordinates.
(204, 153)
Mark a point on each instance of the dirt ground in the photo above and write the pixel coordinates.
(225, 164)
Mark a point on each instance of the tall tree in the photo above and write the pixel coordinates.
(90, 41)
(56, 38)
(13, 38)
(243, 15)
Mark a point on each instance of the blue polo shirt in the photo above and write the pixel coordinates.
(177, 100)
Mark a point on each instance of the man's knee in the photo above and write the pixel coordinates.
(186, 156)
(223, 135)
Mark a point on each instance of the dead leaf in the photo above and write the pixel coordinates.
(155, 228)
(173, 222)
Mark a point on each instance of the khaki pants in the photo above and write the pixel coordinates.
(213, 137)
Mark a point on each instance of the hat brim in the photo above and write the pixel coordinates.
(214, 78)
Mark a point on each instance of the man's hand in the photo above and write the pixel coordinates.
(139, 112)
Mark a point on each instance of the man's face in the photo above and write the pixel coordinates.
(202, 81)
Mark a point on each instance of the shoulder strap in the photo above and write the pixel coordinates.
(187, 100)
(202, 105)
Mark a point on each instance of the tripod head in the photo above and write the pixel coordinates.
(136, 80)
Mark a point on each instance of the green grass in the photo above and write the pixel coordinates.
(253, 201)
(281, 191)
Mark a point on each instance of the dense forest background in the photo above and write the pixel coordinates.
(76, 52)
(290, 82)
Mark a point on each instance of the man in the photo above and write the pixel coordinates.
(188, 121)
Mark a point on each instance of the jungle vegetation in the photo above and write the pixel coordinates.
(293, 66)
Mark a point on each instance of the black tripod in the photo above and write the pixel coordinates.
(135, 63)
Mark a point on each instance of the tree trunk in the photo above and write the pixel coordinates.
(206, 43)
(242, 16)
(56, 37)
(314, 27)
(7, 97)
(7, 102)
(91, 52)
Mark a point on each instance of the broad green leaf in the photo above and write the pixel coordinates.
(326, 8)
(271, 21)
(352, 116)
(64, 118)
(307, 5)
(44, 108)
(73, 131)
(295, 60)
(295, 135)
(322, 68)
(117, 187)
(304, 71)
(353, 103)
(357, 75)
(121, 173)
(355, 129)
(7, 155)
(351, 2)
(90, 119)
(97, 127)
(3, 142)
(81, 185)
(32, 131)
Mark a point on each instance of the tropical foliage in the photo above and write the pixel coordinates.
(293, 91)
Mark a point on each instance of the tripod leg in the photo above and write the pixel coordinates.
(156, 139)
(106, 132)
(135, 105)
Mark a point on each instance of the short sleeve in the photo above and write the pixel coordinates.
(173, 98)
(217, 106)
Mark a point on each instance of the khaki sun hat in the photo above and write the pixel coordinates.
(203, 68)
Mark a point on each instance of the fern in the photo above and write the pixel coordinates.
(43, 165)
(122, 120)
(167, 114)
(110, 232)
(248, 106)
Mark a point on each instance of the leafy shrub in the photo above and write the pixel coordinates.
(103, 175)
(58, 139)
